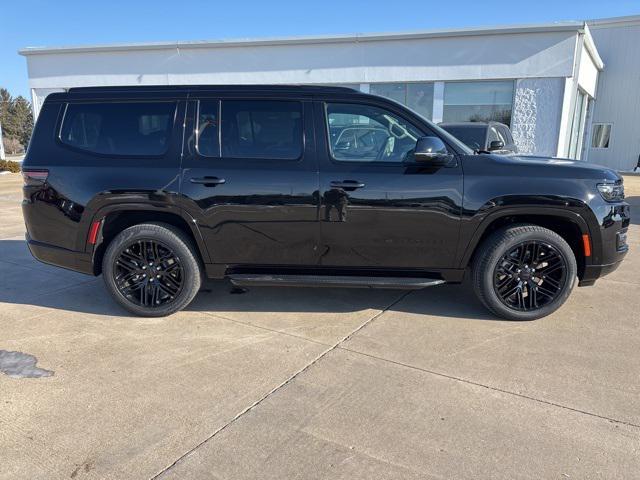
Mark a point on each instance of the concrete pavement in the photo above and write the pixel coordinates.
(314, 383)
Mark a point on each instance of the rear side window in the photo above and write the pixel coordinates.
(125, 128)
(262, 129)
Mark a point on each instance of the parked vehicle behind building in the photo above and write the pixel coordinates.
(494, 137)
(156, 188)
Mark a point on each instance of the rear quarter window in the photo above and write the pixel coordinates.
(119, 128)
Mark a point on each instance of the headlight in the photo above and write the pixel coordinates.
(611, 192)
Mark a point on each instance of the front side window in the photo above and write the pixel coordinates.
(124, 128)
(262, 129)
(478, 101)
(601, 135)
(364, 133)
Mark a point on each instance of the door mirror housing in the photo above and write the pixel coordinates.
(432, 151)
(496, 145)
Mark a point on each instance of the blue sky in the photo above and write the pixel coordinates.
(73, 22)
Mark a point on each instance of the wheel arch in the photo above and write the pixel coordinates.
(569, 225)
(116, 218)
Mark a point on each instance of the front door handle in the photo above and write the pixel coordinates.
(208, 181)
(347, 184)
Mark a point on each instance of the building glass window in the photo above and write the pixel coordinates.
(601, 135)
(478, 101)
(417, 96)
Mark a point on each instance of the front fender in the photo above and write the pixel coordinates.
(573, 210)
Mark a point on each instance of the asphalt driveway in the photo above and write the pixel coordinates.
(313, 383)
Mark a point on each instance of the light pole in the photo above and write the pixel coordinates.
(2, 157)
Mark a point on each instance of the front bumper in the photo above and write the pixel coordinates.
(611, 241)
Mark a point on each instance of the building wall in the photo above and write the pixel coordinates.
(618, 95)
(349, 60)
(537, 110)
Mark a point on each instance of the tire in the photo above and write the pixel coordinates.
(131, 256)
(540, 288)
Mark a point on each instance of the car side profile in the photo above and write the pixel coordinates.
(158, 187)
(489, 137)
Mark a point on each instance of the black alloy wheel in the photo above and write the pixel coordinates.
(530, 276)
(152, 269)
(149, 273)
(523, 272)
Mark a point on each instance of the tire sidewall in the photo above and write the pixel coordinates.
(173, 240)
(491, 298)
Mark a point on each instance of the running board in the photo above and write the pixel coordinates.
(345, 281)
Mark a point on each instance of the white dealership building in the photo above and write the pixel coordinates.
(567, 89)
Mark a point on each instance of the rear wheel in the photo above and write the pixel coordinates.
(152, 269)
(524, 272)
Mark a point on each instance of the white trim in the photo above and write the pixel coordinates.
(591, 48)
(357, 37)
(438, 102)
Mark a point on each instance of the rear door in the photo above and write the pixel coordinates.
(250, 179)
(379, 209)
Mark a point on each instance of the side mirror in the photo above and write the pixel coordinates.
(496, 145)
(431, 150)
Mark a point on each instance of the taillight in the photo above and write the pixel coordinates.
(34, 177)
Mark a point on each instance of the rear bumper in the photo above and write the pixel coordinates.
(60, 257)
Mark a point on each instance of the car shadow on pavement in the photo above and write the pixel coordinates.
(25, 281)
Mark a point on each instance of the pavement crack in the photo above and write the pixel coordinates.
(278, 387)
(267, 329)
(489, 387)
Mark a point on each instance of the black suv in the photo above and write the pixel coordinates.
(488, 137)
(157, 187)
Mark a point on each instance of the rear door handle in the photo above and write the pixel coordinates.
(208, 181)
(353, 184)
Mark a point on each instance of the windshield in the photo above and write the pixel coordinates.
(473, 136)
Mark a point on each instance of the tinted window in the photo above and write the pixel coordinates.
(478, 101)
(417, 96)
(207, 128)
(472, 136)
(119, 128)
(494, 136)
(601, 135)
(262, 129)
(364, 133)
(506, 133)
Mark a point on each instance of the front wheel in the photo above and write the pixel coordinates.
(152, 269)
(524, 272)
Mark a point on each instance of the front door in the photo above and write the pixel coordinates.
(380, 209)
(250, 179)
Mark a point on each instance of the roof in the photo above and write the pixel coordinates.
(614, 21)
(577, 26)
(218, 88)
